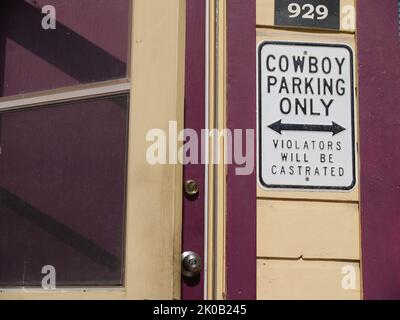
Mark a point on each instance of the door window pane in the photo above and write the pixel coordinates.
(62, 193)
(89, 44)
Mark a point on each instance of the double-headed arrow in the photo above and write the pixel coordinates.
(279, 127)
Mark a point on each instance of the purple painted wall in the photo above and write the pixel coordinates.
(241, 104)
(379, 97)
(241, 190)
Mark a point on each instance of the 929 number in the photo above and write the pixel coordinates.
(308, 11)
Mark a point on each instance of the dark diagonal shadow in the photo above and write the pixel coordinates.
(63, 48)
(59, 231)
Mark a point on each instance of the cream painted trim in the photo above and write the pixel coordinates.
(66, 294)
(211, 152)
(154, 200)
(220, 223)
(216, 205)
(208, 222)
(67, 95)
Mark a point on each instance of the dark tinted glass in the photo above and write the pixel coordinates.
(89, 44)
(62, 187)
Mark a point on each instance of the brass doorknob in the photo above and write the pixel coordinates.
(191, 188)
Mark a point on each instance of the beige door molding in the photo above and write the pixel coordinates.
(154, 192)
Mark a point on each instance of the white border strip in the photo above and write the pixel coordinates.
(206, 171)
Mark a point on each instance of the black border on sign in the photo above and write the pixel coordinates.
(259, 136)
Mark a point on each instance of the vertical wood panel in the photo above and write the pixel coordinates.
(241, 114)
(379, 74)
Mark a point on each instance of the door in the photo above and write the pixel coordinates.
(84, 212)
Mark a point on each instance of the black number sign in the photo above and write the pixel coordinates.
(322, 14)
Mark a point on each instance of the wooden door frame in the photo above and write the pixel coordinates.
(154, 204)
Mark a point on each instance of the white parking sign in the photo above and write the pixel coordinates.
(306, 127)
